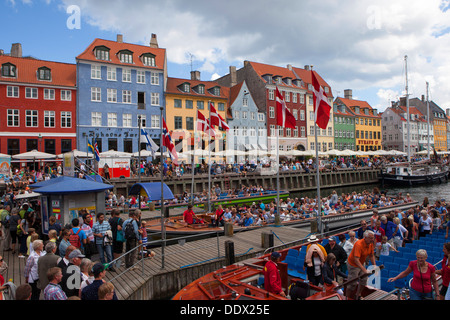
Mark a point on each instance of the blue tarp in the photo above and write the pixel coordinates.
(94, 178)
(66, 185)
(153, 190)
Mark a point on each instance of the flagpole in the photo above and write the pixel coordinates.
(139, 150)
(163, 230)
(193, 159)
(209, 160)
(277, 216)
(319, 208)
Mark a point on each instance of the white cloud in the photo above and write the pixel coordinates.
(352, 44)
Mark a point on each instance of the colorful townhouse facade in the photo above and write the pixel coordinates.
(344, 127)
(367, 122)
(184, 97)
(37, 104)
(120, 84)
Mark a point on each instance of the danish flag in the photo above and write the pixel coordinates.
(322, 107)
(203, 125)
(216, 119)
(285, 118)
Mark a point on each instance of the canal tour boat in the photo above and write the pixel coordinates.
(406, 174)
(245, 281)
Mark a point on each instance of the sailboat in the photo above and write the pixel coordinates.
(418, 173)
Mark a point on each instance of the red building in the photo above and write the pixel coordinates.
(37, 104)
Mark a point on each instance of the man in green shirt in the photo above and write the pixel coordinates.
(4, 217)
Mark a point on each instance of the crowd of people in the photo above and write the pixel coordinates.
(344, 258)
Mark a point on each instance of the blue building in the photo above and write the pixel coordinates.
(118, 83)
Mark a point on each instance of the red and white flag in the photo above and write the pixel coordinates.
(216, 118)
(322, 107)
(167, 142)
(203, 125)
(285, 118)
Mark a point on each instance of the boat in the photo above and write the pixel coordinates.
(175, 226)
(408, 174)
(245, 281)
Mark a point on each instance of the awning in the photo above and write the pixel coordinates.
(67, 185)
(152, 190)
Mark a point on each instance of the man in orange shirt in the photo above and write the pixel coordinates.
(362, 250)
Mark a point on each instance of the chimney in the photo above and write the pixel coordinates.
(289, 66)
(195, 75)
(246, 63)
(16, 50)
(1, 52)
(120, 38)
(233, 79)
(154, 41)
(307, 67)
(348, 94)
(423, 98)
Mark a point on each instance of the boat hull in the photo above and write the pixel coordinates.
(413, 180)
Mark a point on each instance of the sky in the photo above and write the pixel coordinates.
(358, 45)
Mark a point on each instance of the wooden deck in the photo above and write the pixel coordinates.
(188, 257)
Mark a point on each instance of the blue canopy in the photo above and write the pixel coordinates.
(153, 190)
(96, 177)
(66, 185)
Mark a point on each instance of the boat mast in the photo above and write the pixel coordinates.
(428, 123)
(407, 109)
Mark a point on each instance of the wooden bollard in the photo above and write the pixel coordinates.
(267, 240)
(228, 229)
(229, 252)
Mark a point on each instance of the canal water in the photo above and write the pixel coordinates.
(433, 192)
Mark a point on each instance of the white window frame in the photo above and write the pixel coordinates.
(96, 72)
(111, 74)
(66, 95)
(154, 79)
(65, 117)
(154, 99)
(49, 94)
(140, 76)
(33, 116)
(155, 121)
(31, 93)
(13, 115)
(126, 96)
(127, 120)
(111, 95)
(96, 119)
(12, 91)
(49, 115)
(96, 94)
(126, 75)
(112, 119)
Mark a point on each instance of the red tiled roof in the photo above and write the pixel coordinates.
(351, 103)
(115, 47)
(306, 76)
(62, 74)
(174, 83)
(234, 92)
(263, 69)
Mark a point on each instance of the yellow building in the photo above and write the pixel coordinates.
(440, 133)
(367, 123)
(183, 98)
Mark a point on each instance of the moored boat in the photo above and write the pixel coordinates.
(407, 174)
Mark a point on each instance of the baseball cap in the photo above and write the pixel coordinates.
(276, 254)
(98, 268)
(76, 254)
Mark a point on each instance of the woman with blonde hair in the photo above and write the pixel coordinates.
(424, 277)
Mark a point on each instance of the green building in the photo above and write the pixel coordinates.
(344, 127)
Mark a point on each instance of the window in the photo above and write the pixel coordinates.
(112, 119)
(288, 132)
(49, 119)
(44, 74)
(302, 115)
(200, 105)
(66, 119)
(178, 122)
(295, 113)
(252, 116)
(49, 94)
(149, 60)
(31, 93)
(140, 76)
(189, 104)
(215, 91)
(111, 74)
(271, 112)
(261, 132)
(155, 78)
(143, 120)
(155, 99)
(96, 119)
(280, 131)
(303, 131)
(31, 118)
(272, 130)
(66, 95)
(155, 121)
(244, 114)
(8, 70)
(102, 53)
(271, 94)
(141, 100)
(96, 72)
(244, 131)
(221, 106)
(12, 92)
(126, 96)
(236, 114)
(32, 144)
(200, 89)
(245, 102)
(177, 103)
(287, 96)
(66, 145)
(189, 123)
(260, 116)
(126, 120)
(126, 75)
(111, 95)
(330, 131)
(96, 94)
(252, 132)
(13, 146)
(126, 56)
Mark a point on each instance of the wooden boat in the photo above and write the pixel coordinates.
(245, 281)
(406, 174)
(175, 226)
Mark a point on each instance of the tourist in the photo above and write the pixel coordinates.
(424, 277)
(116, 227)
(131, 233)
(106, 291)
(272, 278)
(86, 226)
(189, 216)
(444, 271)
(99, 230)
(339, 253)
(90, 292)
(314, 261)
(46, 262)
(330, 272)
(425, 224)
(86, 273)
(53, 290)
(23, 292)
(64, 243)
(362, 229)
(14, 222)
(31, 268)
(72, 277)
(362, 250)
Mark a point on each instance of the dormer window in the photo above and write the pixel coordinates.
(215, 91)
(44, 73)
(102, 53)
(288, 81)
(267, 78)
(8, 70)
(148, 59)
(126, 56)
(200, 89)
(185, 87)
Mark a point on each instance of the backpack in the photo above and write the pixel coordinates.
(75, 239)
(129, 230)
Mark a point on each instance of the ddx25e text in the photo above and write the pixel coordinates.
(247, 309)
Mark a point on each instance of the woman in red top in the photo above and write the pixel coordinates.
(424, 277)
(218, 218)
(445, 271)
